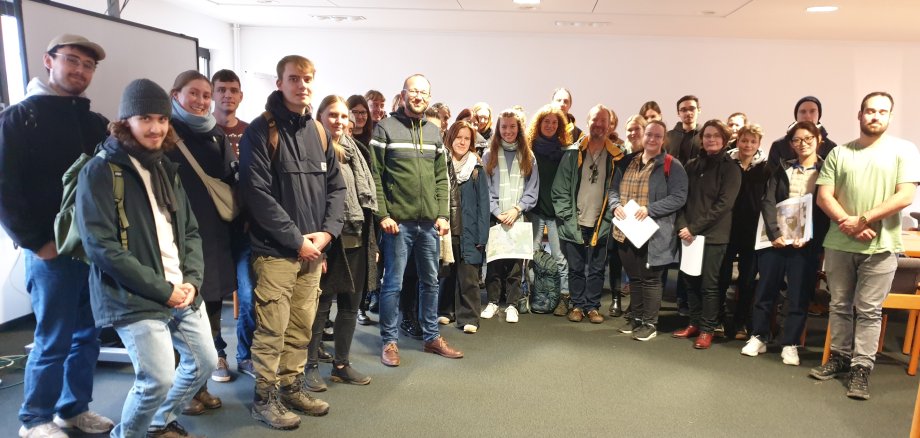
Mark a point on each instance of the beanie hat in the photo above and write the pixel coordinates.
(143, 96)
(813, 99)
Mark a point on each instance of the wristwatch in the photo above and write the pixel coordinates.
(863, 221)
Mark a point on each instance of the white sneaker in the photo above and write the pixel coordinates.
(44, 430)
(443, 320)
(88, 422)
(791, 355)
(489, 311)
(754, 347)
(511, 314)
(469, 328)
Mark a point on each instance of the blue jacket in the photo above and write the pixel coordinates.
(666, 196)
(299, 191)
(130, 285)
(472, 214)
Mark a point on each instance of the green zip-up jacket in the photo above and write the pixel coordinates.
(410, 170)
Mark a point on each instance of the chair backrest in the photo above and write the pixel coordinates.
(907, 276)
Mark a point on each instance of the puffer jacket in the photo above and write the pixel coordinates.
(299, 191)
(130, 285)
(666, 196)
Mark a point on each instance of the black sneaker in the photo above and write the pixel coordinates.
(630, 326)
(347, 374)
(645, 332)
(411, 329)
(322, 354)
(363, 319)
(858, 387)
(834, 366)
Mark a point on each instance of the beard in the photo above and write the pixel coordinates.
(412, 110)
(873, 130)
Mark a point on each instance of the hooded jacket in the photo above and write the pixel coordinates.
(565, 193)
(714, 181)
(666, 196)
(40, 138)
(130, 285)
(299, 191)
(781, 151)
(410, 169)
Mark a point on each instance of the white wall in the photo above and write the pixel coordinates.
(763, 78)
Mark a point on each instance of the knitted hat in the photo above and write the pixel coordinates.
(143, 96)
(813, 99)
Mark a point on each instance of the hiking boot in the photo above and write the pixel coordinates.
(171, 430)
(272, 412)
(834, 366)
(87, 422)
(222, 372)
(858, 386)
(562, 308)
(313, 381)
(347, 374)
(645, 333)
(295, 396)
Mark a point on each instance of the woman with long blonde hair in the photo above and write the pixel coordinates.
(514, 185)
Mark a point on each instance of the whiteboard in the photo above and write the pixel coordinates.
(132, 50)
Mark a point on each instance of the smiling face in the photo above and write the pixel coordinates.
(712, 140)
(227, 96)
(804, 143)
(70, 70)
(335, 119)
(634, 133)
(549, 125)
(461, 144)
(653, 139)
(416, 95)
(195, 97)
(378, 109)
(599, 123)
(149, 130)
(361, 114)
(296, 85)
(748, 145)
(508, 129)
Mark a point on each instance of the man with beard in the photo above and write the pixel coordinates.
(408, 156)
(40, 138)
(862, 187)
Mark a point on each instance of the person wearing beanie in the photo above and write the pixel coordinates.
(807, 109)
(146, 259)
(40, 137)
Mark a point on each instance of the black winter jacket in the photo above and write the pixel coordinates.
(746, 211)
(777, 191)
(714, 181)
(684, 145)
(130, 285)
(299, 191)
(40, 138)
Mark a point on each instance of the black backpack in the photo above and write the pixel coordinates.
(544, 292)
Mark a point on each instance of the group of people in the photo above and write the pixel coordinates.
(342, 202)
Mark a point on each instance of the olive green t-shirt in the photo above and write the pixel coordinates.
(863, 178)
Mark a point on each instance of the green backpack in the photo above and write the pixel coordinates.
(66, 233)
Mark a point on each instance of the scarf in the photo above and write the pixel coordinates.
(198, 124)
(159, 179)
(510, 183)
(509, 146)
(359, 187)
(548, 147)
(463, 168)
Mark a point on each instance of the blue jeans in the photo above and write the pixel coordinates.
(421, 239)
(799, 266)
(246, 322)
(160, 388)
(555, 247)
(586, 270)
(59, 372)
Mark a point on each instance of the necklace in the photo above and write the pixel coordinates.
(593, 166)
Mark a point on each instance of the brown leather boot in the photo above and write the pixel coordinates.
(209, 401)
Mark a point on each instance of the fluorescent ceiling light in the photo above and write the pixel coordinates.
(527, 2)
(818, 9)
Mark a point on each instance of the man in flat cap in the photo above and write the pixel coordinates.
(40, 138)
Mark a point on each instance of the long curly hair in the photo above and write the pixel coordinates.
(533, 130)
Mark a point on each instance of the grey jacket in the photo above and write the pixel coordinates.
(666, 196)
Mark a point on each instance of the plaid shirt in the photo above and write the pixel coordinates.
(634, 186)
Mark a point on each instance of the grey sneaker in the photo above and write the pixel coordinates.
(296, 397)
(272, 412)
(312, 380)
(645, 332)
(222, 372)
(834, 366)
(246, 367)
(347, 374)
(858, 386)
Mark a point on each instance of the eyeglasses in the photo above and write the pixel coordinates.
(687, 109)
(76, 62)
(359, 113)
(413, 93)
(796, 141)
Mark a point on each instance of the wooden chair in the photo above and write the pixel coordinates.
(898, 299)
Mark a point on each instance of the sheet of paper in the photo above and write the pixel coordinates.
(691, 256)
(638, 232)
(514, 242)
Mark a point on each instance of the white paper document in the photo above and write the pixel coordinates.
(514, 242)
(638, 232)
(794, 218)
(691, 256)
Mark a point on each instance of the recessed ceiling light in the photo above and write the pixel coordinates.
(818, 9)
(527, 2)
